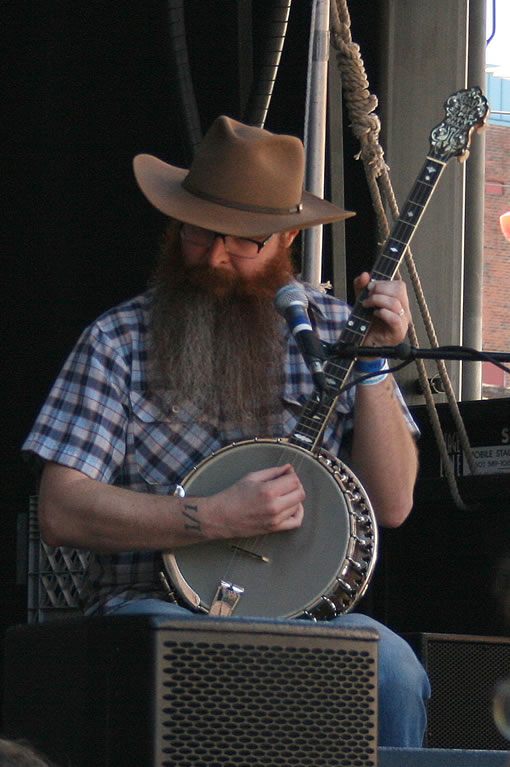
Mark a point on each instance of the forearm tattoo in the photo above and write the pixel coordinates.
(190, 511)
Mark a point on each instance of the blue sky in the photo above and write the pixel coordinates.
(498, 50)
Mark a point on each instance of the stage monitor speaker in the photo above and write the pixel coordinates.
(463, 672)
(446, 570)
(190, 692)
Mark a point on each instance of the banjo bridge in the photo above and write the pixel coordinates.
(252, 554)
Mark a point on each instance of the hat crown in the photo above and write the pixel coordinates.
(242, 165)
(243, 180)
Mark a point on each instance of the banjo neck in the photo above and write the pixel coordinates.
(466, 111)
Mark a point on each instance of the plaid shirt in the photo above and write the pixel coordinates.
(99, 420)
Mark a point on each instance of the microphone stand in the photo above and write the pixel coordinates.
(403, 352)
(407, 353)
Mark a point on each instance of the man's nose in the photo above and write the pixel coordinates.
(217, 255)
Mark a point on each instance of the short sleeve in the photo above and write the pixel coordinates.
(83, 421)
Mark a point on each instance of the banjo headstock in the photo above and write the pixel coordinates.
(465, 112)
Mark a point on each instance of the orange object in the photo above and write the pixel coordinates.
(504, 225)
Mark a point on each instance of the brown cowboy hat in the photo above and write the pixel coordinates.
(243, 180)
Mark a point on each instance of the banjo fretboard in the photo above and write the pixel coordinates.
(466, 110)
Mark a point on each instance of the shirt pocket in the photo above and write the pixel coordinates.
(161, 444)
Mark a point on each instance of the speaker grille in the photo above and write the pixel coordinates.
(463, 671)
(239, 703)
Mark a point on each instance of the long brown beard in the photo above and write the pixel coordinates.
(216, 342)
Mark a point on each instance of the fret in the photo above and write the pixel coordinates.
(354, 336)
(466, 110)
(388, 264)
(421, 193)
(333, 381)
(424, 186)
(350, 327)
(379, 275)
(356, 316)
(310, 424)
(391, 255)
(298, 438)
(432, 168)
(403, 231)
(395, 247)
(400, 242)
(411, 213)
(337, 380)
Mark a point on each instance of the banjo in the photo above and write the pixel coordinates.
(323, 568)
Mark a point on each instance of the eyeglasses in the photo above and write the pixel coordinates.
(238, 247)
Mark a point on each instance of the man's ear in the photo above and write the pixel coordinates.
(289, 237)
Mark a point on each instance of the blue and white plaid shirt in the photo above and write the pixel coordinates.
(99, 420)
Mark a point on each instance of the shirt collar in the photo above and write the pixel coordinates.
(313, 294)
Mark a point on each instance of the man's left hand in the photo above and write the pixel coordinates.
(388, 299)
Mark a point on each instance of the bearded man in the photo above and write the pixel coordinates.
(202, 359)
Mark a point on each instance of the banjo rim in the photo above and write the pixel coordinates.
(341, 596)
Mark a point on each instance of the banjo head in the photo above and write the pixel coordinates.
(289, 573)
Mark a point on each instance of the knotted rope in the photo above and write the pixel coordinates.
(366, 127)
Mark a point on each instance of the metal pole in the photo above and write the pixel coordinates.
(474, 235)
(315, 132)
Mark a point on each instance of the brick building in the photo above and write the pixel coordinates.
(496, 269)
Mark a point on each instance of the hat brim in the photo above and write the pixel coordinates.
(161, 183)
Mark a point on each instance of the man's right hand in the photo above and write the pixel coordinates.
(265, 501)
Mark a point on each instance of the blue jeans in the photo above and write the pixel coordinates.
(403, 684)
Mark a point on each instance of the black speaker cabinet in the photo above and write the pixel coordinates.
(199, 691)
(463, 672)
(446, 570)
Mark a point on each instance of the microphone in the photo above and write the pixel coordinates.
(292, 303)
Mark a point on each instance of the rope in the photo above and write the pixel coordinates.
(366, 127)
